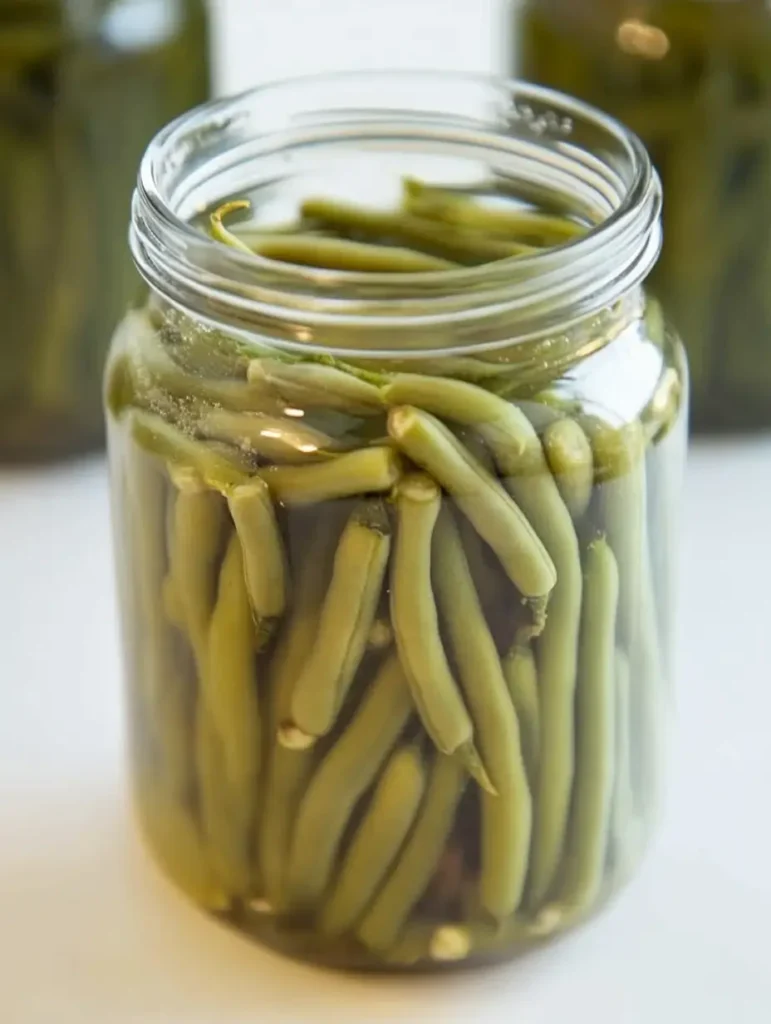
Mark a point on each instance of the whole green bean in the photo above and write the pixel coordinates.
(497, 420)
(453, 208)
(445, 241)
(506, 818)
(416, 627)
(278, 439)
(346, 618)
(155, 435)
(288, 769)
(195, 548)
(342, 778)
(528, 480)
(339, 254)
(263, 552)
(481, 498)
(377, 842)
(230, 731)
(596, 732)
(366, 471)
(570, 459)
(311, 384)
(385, 919)
(521, 675)
(624, 823)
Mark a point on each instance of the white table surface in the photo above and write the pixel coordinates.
(89, 931)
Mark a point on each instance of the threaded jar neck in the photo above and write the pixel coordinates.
(359, 134)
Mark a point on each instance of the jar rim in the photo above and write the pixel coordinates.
(515, 121)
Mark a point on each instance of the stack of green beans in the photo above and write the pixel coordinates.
(694, 81)
(81, 96)
(393, 638)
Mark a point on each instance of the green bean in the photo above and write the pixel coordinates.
(311, 384)
(346, 619)
(525, 226)
(263, 552)
(268, 437)
(623, 821)
(507, 817)
(416, 627)
(385, 919)
(218, 230)
(179, 845)
(521, 675)
(569, 455)
(497, 420)
(596, 724)
(339, 254)
(229, 726)
(367, 471)
(223, 823)
(289, 770)
(446, 242)
(532, 486)
(344, 775)
(196, 545)
(158, 437)
(377, 842)
(619, 457)
(481, 498)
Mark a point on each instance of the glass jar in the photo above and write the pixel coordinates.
(394, 548)
(693, 79)
(84, 86)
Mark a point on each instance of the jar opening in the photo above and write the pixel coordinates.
(356, 136)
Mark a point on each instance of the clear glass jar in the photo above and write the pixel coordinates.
(84, 86)
(394, 549)
(693, 79)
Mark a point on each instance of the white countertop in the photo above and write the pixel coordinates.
(89, 931)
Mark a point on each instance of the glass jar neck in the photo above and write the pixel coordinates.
(527, 142)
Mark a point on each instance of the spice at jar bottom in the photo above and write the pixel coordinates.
(395, 625)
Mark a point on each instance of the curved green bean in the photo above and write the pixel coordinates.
(596, 734)
(342, 778)
(289, 770)
(367, 471)
(345, 621)
(481, 498)
(507, 817)
(570, 459)
(416, 626)
(263, 552)
(385, 919)
(377, 842)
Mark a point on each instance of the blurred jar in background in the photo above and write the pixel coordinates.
(84, 85)
(693, 79)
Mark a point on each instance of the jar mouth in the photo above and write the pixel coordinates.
(525, 139)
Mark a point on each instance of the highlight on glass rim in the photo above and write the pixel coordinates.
(395, 465)
(84, 86)
(693, 79)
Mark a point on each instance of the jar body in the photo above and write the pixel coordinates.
(395, 575)
(692, 79)
(83, 88)
(271, 836)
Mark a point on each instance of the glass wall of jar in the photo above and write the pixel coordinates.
(396, 446)
(693, 79)
(84, 86)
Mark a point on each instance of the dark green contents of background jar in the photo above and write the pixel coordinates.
(83, 88)
(694, 81)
